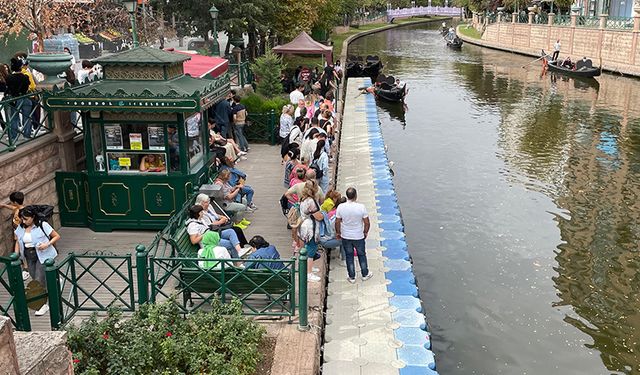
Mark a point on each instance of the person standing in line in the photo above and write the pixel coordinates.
(17, 87)
(297, 94)
(222, 115)
(352, 227)
(34, 243)
(239, 121)
(556, 50)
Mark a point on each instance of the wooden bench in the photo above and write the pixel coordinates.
(237, 281)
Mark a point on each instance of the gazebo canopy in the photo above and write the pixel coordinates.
(304, 44)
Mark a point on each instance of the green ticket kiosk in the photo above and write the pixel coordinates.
(145, 140)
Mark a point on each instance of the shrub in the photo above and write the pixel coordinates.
(267, 68)
(258, 104)
(158, 340)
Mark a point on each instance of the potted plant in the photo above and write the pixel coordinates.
(51, 64)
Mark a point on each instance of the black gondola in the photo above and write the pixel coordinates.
(386, 89)
(359, 67)
(455, 43)
(582, 68)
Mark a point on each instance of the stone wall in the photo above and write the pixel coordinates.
(617, 48)
(8, 356)
(30, 169)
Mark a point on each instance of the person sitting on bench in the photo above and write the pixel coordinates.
(211, 250)
(196, 228)
(217, 222)
(263, 250)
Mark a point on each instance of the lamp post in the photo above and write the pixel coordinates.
(131, 6)
(215, 48)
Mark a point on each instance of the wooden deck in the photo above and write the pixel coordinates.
(264, 174)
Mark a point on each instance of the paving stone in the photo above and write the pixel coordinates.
(343, 350)
(378, 369)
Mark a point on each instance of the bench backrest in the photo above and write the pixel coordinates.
(237, 280)
(182, 244)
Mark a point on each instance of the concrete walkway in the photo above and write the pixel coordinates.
(375, 326)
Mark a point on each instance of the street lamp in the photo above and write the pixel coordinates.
(214, 14)
(131, 7)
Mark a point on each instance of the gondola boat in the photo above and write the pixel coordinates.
(583, 68)
(456, 43)
(359, 67)
(386, 89)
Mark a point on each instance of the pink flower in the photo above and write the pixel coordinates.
(169, 334)
(76, 361)
(105, 335)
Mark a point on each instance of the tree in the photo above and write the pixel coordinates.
(296, 16)
(267, 68)
(44, 17)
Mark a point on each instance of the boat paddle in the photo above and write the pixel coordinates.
(531, 62)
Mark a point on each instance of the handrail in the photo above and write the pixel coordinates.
(14, 286)
(22, 119)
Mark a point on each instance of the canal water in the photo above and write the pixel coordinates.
(520, 196)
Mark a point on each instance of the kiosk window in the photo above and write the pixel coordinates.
(125, 162)
(193, 126)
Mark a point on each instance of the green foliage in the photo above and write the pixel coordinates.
(267, 70)
(158, 340)
(258, 104)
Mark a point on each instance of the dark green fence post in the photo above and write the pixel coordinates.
(303, 321)
(143, 274)
(271, 126)
(20, 309)
(53, 290)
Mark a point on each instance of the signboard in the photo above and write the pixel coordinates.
(113, 137)
(135, 141)
(156, 137)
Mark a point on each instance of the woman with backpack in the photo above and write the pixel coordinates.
(34, 242)
(307, 232)
(320, 164)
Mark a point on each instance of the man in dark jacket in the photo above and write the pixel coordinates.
(17, 86)
(223, 114)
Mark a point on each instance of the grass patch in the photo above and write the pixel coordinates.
(470, 31)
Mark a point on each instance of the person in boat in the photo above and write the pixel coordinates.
(556, 50)
(400, 83)
(567, 63)
(452, 33)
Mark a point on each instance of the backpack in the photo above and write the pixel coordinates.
(317, 169)
(293, 216)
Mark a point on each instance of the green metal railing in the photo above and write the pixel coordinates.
(620, 23)
(541, 19)
(261, 127)
(584, 21)
(22, 119)
(170, 277)
(88, 283)
(13, 301)
(240, 73)
(562, 19)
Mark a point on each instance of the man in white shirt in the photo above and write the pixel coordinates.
(297, 94)
(556, 50)
(352, 226)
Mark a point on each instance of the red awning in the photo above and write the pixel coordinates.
(304, 44)
(204, 66)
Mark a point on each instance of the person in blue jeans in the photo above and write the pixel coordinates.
(197, 227)
(246, 191)
(19, 111)
(352, 226)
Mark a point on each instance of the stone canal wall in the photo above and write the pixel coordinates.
(618, 49)
(374, 326)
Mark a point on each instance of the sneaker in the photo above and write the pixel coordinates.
(242, 153)
(245, 222)
(352, 281)
(240, 225)
(243, 158)
(252, 206)
(315, 269)
(244, 251)
(43, 310)
(25, 275)
(369, 275)
(313, 277)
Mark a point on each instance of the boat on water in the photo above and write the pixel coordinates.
(390, 89)
(582, 68)
(455, 43)
(367, 67)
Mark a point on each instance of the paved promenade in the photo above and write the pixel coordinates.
(375, 326)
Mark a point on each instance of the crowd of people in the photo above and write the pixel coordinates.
(17, 80)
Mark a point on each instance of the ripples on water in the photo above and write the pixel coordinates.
(520, 199)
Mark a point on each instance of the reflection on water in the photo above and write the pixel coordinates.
(520, 195)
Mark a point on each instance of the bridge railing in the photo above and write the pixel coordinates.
(423, 11)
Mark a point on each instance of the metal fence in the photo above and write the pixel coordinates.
(88, 283)
(13, 300)
(240, 73)
(584, 21)
(622, 23)
(562, 20)
(261, 127)
(22, 119)
(265, 291)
